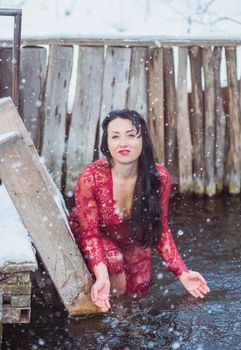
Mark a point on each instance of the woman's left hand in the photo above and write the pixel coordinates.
(194, 283)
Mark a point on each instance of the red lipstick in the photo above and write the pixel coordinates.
(124, 152)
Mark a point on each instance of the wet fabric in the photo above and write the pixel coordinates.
(104, 236)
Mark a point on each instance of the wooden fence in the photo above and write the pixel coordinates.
(196, 130)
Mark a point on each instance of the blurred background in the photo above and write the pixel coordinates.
(126, 17)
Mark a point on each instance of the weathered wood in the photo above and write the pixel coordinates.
(15, 289)
(137, 92)
(197, 120)
(155, 92)
(5, 71)
(32, 78)
(16, 297)
(170, 108)
(115, 80)
(183, 125)
(13, 267)
(1, 316)
(16, 315)
(145, 40)
(209, 136)
(55, 108)
(21, 301)
(11, 121)
(1, 309)
(66, 267)
(234, 116)
(220, 122)
(86, 111)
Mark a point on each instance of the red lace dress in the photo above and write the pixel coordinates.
(103, 235)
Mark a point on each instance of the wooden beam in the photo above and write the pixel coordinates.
(197, 120)
(86, 111)
(137, 92)
(234, 116)
(209, 124)
(183, 125)
(32, 80)
(115, 80)
(145, 40)
(170, 108)
(155, 92)
(221, 138)
(10, 121)
(35, 199)
(1, 316)
(55, 108)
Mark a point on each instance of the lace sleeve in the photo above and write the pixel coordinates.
(166, 246)
(89, 236)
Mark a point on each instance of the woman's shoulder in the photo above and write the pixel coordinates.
(163, 172)
(97, 166)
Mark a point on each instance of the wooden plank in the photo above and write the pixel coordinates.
(16, 315)
(13, 267)
(137, 92)
(1, 333)
(197, 120)
(21, 301)
(48, 229)
(170, 108)
(32, 79)
(209, 136)
(55, 109)
(15, 289)
(76, 281)
(86, 111)
(183, 125)
(115, 80)
(128, 41)
(220, 122)
(1, 309)
(234, 116)
(155, 92)
(11, 121)
(1, 317)
(5, 71)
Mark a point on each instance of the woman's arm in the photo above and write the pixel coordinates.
(89, 237)
(192, 281)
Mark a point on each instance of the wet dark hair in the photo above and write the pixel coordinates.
(146, 209)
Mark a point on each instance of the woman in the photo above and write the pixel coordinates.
(121, 212)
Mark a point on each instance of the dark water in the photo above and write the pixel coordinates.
(208, 235)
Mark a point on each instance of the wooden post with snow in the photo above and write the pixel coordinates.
(36, 201)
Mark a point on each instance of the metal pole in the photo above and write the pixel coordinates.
(17, 13)
(16, 59)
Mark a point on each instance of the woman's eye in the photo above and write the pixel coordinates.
(114, 137)
(131, 136)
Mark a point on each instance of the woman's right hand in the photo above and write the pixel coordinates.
(100, 293)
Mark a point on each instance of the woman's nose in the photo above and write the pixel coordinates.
(123, 142)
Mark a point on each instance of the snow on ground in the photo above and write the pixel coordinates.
(100, 18)
(15, 243)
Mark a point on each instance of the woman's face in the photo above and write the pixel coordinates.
(124, 143)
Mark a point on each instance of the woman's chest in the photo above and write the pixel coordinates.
(123, 196)
(114, 199)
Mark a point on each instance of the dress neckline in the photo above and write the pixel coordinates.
(116, 209)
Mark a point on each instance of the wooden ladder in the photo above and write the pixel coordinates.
(38, 203)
